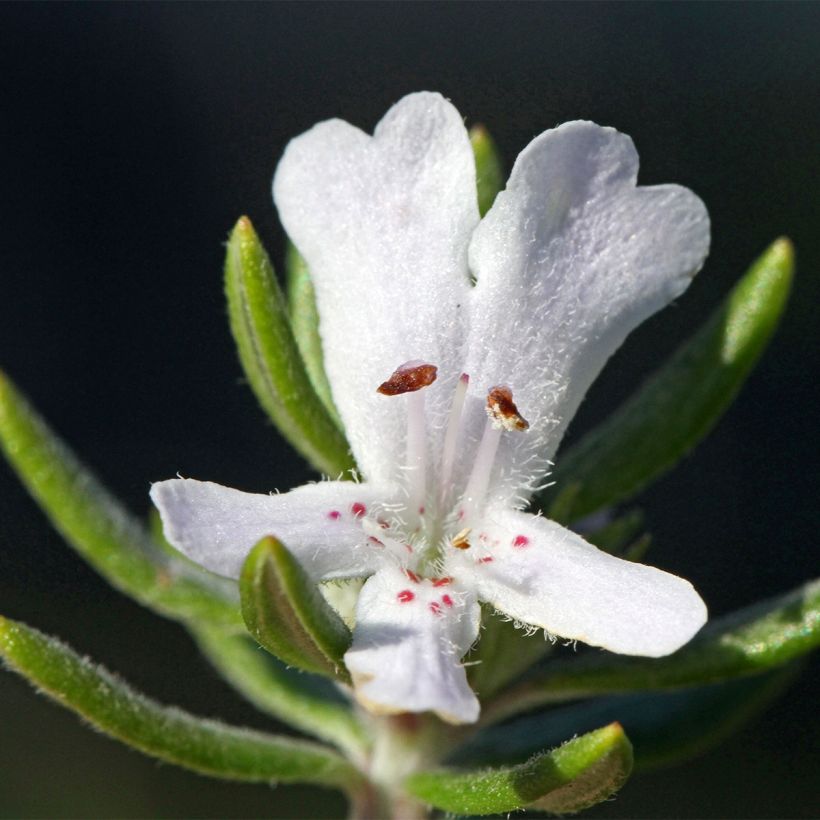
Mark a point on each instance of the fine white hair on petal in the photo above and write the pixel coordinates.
(320, 524)
(384, 223)
(571, 257)
(408, 642)
(543, 574)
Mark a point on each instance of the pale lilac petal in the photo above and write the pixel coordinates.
(384, 223)
(571, 257)
(542, 574)
(320, 524)
(408, 642)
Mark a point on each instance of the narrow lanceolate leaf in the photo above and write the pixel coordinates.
(167, 733)
(579, 774)
(304, 319)
(270, 356)
(286, 613)
(680, 403)
(100, 529)
(747, 642)
(617, 535)
(488, 168)
(503, 652)
(309, 703)
(664, 727)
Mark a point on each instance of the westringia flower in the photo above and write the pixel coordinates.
(458, 350)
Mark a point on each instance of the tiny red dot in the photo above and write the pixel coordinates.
(412, 575)
(442, 582)
(375, 541)
(358, 509)
(521, 541)
(405, 596)
(435, 608)
(408, 548)
(335, 515)
(487, 559)
(447, 600)
(421, 510)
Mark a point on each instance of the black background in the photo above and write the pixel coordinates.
(133, 136)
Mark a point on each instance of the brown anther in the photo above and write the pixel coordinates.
(460, 540)
(408, 378)
(502, 410)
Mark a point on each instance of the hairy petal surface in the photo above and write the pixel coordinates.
(570, 259)
(320, 524)
(543, 574)
(409, 639)
(384, 223)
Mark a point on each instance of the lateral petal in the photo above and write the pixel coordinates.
(543, 574)
(320, 524)
(408, 642)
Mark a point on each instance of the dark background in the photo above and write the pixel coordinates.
(133, 136)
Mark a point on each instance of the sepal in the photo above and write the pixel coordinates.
(579, 774)
(270, 356)
(287, 615)
(681, 402)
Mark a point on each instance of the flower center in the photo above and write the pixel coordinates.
(418, 535)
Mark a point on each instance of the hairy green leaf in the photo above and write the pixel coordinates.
(664, 727)
(116, 544)
(681, 402)
(502, 653)
(308, 702)
(286, 613)
(167, 733)
(752, 640)
(270, 356)
(304, 319)
(582, 772)
(488, 168)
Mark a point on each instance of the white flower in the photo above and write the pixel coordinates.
(530, 302)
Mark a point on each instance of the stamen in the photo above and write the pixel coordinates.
(502, 410)
(411, 377)
(502, 414)
(408, 378)
(451, 438)
(461, 539)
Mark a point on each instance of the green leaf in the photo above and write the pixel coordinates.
(664, 727)
(270, 356)
(616, 536)
(304, 319)
(752, 640)
(582, 772)
(503, 652)
(489, 172)
(100, 529)
(681, 402)
(310, 703)
(170, 734)
(286, 613)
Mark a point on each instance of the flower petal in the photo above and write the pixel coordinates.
(571, 257)
(409, 638)
(320, 524)
(540, 573)
(384, 223)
